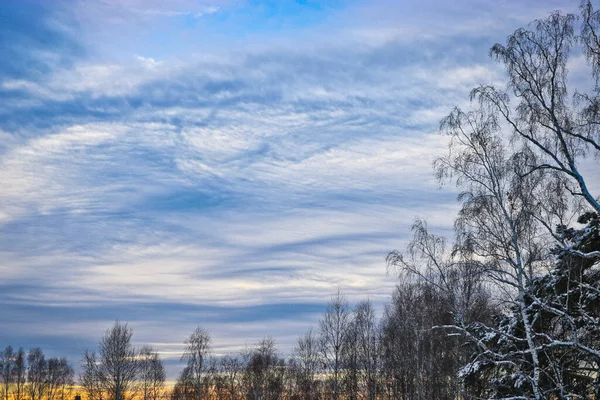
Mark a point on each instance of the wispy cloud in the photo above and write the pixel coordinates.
(175, 13)
(206, 11)
(234, 188)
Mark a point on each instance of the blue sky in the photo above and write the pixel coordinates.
(228, 164)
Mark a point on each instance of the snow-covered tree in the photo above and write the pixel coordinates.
(520, 176)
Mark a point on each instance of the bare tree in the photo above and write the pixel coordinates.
(59, 379)
(264, 373)
(333, 328)
(399, 344)
(37, 373)
(117, 363)
(20, 374)
(152, 374)
(196, 353)
(232, 368)
(216, 380)
(307, 362)
(53, 378)
(7, 366)
(66, 380)
(560, 130)
(184, 389)
(418, 360)
(367, 341)
(556, 133)
(89, 378)
(495, 224)
(350, 362)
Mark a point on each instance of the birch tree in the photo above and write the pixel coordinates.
(117, 364)
(89, 377)
(37, 374)
(60, 378)
(368, 343)
(196, 354)
(7, 366)
(20, 374)
(333, 329)
(152, 374)
(264, 372)
(232, 368)
(307, 362)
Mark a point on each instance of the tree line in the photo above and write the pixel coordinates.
(32, 376)
(507, 309)
(351, 354)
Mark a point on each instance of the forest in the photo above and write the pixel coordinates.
(508, 309)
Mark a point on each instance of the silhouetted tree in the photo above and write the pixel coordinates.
(184, 387)
(152, 374)
(196, 353)
(368, 348)
(20, 374)
(333, 329)
(37, 374)
(232, 368)
(118, 361)
(307, 364)
(7, 367)
(264, 373)
(60, 378)
(89, 378)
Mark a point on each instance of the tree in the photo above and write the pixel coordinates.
(152, 374)
(307, 363)
(37, 374)
(264, 373)
(196, 353)
(496, 223)
(7, 366)
(398, 344)
(216, 380)
(497, 227)
(368, 343)
(350, 363)
(20, 374)
(232, 367)
(59, 379)
(184, 389)
(90, 378)
(560, 130)
(66, 380)
(333, 328)
(117, 362)
(421, 358)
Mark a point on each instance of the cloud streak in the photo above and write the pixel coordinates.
(233, 189)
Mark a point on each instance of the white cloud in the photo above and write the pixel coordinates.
(206, 11)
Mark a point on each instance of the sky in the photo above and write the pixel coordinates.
(228, 164)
